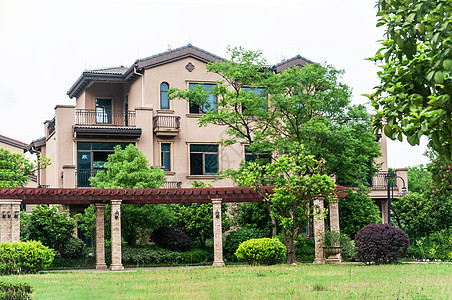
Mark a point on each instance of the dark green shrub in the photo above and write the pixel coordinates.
(348, 247)
(172, 238)
(73, 248)
(196, 255)
(235, 238)
(24, 257)
(305, 250)
(150, 255)
(436, 246)
(381, 244)
(15, 291)
(264, 251)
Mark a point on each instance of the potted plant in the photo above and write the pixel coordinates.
(331, 243)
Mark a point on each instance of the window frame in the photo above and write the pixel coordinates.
(200, 110)
(161, 98)
(104, 112)
(204, 174)
(161, 158)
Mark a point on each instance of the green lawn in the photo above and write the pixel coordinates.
(405, 281)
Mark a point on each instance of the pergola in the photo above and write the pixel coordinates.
(10, 200)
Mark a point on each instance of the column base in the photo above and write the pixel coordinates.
(116, 267)
(101, 266)
(218, 264)
(333, 260)
(319, 261)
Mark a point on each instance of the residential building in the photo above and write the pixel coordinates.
(123, 105)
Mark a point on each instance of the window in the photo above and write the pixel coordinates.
(91, 157)
(257, 91)
(165, 156)
(164, 102)
(203, 159)
(211, 101)
(103, 111)
(260, 158)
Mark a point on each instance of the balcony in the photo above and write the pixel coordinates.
(166, 126)
(172, 185)
(101, 123)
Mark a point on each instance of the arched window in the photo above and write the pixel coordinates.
(164, 102)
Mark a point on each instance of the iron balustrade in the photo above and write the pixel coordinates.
(104, 117)
(378, 181)
(51, 126)
(83, 176)
(167, 122)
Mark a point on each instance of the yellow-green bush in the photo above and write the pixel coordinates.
(24, 257)
(264, 251)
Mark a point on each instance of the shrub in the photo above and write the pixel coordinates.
(172, 238)
(196, 255)
(234, 239)
(348, 247)
(437, 246)
(24, 257)
(305, 249)
(264, 251)
(73, 248)
(14, 291)
(381, 244)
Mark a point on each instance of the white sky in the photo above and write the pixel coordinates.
(46, 45)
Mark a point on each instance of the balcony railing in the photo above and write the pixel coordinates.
(172, 185)
(83, 177)
(378, 181)
(104, 117)
(167, 122)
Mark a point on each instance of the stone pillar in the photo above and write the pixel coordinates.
(217, 234)
(116, 261)
(9, 220)
(100, 236)
(319, 230)
(69, 179)
(334, 226)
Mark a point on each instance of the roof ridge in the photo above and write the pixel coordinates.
(189, 45)
(298, 56)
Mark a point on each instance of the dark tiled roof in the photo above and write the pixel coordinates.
(119, 70)
(12, 142)
(178, 49)
(293, 58)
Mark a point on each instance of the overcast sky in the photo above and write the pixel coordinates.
(46, 45)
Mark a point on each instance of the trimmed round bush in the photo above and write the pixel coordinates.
(264, 251)
(73, 248)
(24, 257)
(381, 244)
(236, 237)
(172, 238)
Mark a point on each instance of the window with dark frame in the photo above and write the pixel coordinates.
(164, 102)
(211, 100)
(103, 111)
(257, 91)
(165, 152)
(203, 159)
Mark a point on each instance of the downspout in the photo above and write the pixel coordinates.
(142, 85)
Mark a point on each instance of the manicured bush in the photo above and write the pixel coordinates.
(235, 238)
(73, 248)
(172, 238)
(196, 256)
(14, 291)
(24, 257)
(381, 244)
(436, 246)
(264, 251)
(348, 247)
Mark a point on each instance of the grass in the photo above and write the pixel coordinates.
(404, 281)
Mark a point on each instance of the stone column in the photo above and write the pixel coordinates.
(217, 234)
(319, 230)
(9, 220)
(334, 226)
(116, 261)
(100, 236)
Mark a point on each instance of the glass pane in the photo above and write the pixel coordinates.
(203, 148)
(196, 167)
(103, 103)
(84, 160)
(164, 103)
(165, 147)
(99, 159)
(194, 108)
(166, 160)
(164, 86)
(104, 146)
(211, 162)
(83, 146)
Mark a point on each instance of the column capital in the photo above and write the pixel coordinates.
(100, 204)
(117, 202)
(216, 200)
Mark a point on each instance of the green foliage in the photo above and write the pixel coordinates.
(18, 291)
(414, 95)
(235, 238)
(418, 178)
(305, 250)
(14, 169)
(51, 227)
(348, 248)
(263, 251)
(24, 221)
(73, 248)
(356, 210)
(172, 238)
(436, 246)
(331, 238)
(24, 257)
(128, 168)
(253, 215)
(86, 222)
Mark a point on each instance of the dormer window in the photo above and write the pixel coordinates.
(164, 102)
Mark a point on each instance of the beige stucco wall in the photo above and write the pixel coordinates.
(105, 90)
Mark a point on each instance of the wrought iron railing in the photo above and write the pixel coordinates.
(83, 176)
(378, 181)
(51, 126)
(172, 185)
(104, 117)
(167, 122)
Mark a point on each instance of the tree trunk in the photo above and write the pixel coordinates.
(274, 224)
(291, 247)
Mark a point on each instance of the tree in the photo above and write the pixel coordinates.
(299, 179)
(14, 169)
(356, 210)
(414, 94)
(129, 168)
(418, 178)
(51, 227)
